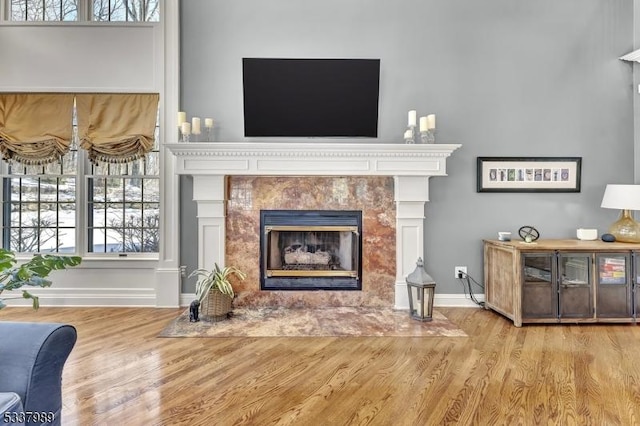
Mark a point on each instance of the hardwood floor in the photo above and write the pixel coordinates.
(120, 373)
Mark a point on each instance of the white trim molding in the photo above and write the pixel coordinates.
(411, 165)
(313, 159)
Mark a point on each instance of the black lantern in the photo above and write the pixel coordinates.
(421, 289)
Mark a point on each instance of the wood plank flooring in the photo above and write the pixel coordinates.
(120, 373)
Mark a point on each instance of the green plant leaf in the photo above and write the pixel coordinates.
(35, 299)
(218, 278)
(33, 273)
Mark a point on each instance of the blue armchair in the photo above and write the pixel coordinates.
(32, 356)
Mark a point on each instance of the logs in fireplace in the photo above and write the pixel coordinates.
(310, 250)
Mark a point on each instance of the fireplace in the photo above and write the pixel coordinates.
(228, 233)
(310, 250)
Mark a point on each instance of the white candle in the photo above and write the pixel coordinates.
(431, 121)
(182, 117)
(412, 117)
(186, 128)
(195, 125)
(208, 123)
(423, 124)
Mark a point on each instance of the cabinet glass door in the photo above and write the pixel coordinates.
(539, 294)
(574, 285)
(635, 291)
(613, 298)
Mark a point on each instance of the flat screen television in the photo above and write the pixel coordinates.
(311, 97)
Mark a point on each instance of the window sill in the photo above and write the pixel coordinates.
(109, 262)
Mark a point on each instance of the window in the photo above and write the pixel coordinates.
(43, 10)
(124, 206)
(39, 206)
(72, 10)
(126, 10)
(44, 206)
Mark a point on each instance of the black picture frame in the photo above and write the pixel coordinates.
(528, 174)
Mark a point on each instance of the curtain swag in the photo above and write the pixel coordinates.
(37, 128)
(117, 128)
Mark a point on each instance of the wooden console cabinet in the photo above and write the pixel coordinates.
(562, 281)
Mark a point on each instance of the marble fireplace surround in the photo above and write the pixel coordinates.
(410, 165)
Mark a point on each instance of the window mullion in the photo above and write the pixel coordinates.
(20, 214)
(82, 203)
(39, 215)
(84, 10)
(124, 215)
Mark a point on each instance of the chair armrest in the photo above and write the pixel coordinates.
(32, 356)
(10, 408)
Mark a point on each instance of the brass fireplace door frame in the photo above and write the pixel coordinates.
(307, 272)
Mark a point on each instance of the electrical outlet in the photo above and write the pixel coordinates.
(460, 271)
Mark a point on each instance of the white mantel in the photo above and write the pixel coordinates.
(411, 165)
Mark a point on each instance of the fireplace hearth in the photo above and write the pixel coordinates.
(310, 250)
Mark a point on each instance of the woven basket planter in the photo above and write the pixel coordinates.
(216, 306)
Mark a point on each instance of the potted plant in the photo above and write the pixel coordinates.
(214, 290)
(33, 273)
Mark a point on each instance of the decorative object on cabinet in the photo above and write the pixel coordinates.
(586, 234)
(421, 289)
(504, 236)
(625, 198)
(528, 174)
(528, 234)
(562, 281)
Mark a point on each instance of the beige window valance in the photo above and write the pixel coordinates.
(117, 128)
(35, 128)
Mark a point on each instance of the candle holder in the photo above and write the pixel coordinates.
(185, 136)
(428, 136)
(410, 134)
(208, 131)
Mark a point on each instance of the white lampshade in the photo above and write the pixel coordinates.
(623, 197)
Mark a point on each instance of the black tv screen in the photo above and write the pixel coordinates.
(311, 97)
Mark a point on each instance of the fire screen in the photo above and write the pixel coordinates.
(310, 249)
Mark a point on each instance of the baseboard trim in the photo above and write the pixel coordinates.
(146, 298)
(85, 297)
(457, 300)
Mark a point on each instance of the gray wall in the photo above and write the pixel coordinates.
(505, 78)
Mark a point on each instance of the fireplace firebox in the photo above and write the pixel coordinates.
(310, 250)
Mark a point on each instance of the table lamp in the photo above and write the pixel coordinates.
(626, 198)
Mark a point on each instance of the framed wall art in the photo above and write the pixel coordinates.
(529, 174)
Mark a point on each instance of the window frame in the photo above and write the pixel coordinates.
(84, 13)
(166, 44)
